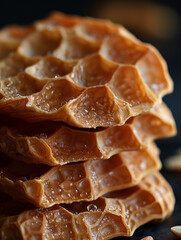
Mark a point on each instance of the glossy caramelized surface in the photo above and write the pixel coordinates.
(117, 214)
(44, 186)
(85, 72)
(95, 178)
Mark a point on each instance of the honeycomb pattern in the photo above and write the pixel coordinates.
(117, 214)
(59, 144)
(80, 107)
(81, 71)
(76, 182)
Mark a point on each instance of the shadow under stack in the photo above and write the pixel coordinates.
(80, 108)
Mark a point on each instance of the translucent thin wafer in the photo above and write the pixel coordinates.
(44, 186)
(56, 144)
(117, 214)
(85, 72)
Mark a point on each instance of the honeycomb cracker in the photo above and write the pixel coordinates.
(117, 214)
(115, 76)
(59, 144)
(44, 186)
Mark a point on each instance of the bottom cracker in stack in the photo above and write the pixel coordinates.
(115, 214)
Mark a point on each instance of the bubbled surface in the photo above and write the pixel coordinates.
(58, 144)
(117, 214)
(76, 182)
(85, 72)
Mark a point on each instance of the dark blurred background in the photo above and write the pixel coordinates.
(156, 22)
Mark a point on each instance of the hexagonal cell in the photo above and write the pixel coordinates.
(55, 94)
(6, 49)
(48, 68)
(127, 85)
(10, 38)
(123, 50)
(95, 107)
(93, 71)
(96, 30)
(75, 48)
(21, 85)
(57, 19)
(40, 43)
(13, 65)
(154, 72)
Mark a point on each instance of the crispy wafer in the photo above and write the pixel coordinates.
(85, 72)
(54, 143)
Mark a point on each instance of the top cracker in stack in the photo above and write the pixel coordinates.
(81, 71)
(71, 90)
